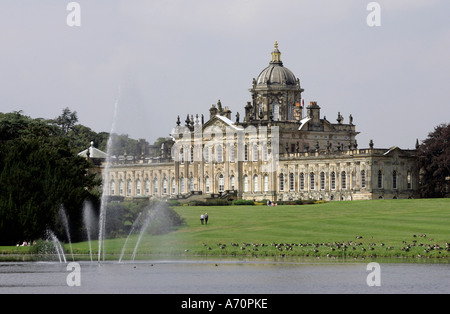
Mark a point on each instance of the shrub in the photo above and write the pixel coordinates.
(243, 202)
(165, 220)
(43, 247)
(218, 202)
(173, 203)
(197, 203)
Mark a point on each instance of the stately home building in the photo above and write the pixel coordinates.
(280, 149)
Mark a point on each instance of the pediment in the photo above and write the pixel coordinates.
(220, 122)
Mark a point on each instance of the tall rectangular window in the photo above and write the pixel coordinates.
(147, 187)
(129, 187)
(206, 153)
(231, 153)
(219, 153)
(165, 186)
(221, 183)
(255, 183)
(120, 187)
(380, 179)
(155, 186)
(112, 186)
(394, 180)
(245, 183)
(138, 187)
(207, 185)
(363, 179)
(322, 181)
(276, 111)
(255, 152)
(302, 181)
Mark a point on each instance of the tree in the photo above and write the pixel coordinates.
(66, 120)
(433, 157)
(80, 138)
(38, 174)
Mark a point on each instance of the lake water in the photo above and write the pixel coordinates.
(222, 277)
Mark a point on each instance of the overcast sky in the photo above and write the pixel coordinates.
(160, 59)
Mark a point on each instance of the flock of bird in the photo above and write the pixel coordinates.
(332, 249)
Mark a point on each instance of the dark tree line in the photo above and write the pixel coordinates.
(433, 158)
(39, 173)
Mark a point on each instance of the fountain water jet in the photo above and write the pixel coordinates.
(131, 232)
(102, 218)
(143, 228)
(57, 245)
(63, 216)
(88, 218)
(151, 213)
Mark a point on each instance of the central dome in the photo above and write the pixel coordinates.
(276, 73)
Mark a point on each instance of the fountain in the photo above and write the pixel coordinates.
(143, 219)
(88, 218)
(136, 221)
(65, 222)
(102, 218)
(57, 245)
(143, 228)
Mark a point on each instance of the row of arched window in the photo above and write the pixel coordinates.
(251, 153)
(317, 182)
(186, 185)
(126, 188)
(395, 180)
(310, 181)
(342, 177)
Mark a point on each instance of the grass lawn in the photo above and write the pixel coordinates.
(377, 228)
(382, 228)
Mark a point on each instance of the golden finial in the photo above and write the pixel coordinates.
(276, 54)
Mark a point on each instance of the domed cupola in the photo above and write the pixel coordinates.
(276, 73)
(276, 93)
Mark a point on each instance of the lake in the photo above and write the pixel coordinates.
(227, 276)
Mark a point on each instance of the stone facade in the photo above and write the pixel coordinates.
(281, 150)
